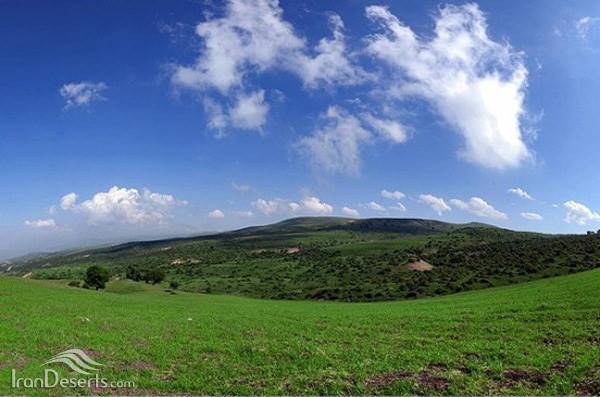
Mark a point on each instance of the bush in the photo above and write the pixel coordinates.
(173, 285)
(154, 276)
(133, 273)
(74, 283)
(96, 277)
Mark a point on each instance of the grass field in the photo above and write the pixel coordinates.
(539, 338)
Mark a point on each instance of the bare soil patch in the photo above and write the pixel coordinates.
(420, 266)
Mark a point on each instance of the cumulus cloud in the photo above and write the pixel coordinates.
(216, 214)
(584, 24)
(475, 84)
(316, 206)
(68, 201)
(395, 195)
(331, 64)
(309, 205)
(376, 206)
(250, 111)
(531, 216)
(350, 212)
(335, 147)
(517, 191)
(123, 205)
(579, 213)
(82, 94)
(253, 37)
(478, 206)
(436, 203)
(40, 223)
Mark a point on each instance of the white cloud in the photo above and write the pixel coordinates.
(395, 195)
(390, 130)
(68, 201)
(330, 65)
(436, 203)
(217, 119)
(476, 84)
(311, 205)
(244, 214)
(123, 205)
(315, 205)
(216, 214)
(478, 206)
(335, 147)
(350, 212)
(583, 25)
(276, 206)
(250, 111)
(521, 193)
(398, 207)
(579, 213)
(82, 94)
(41, 223)
(252, 37)
(376, 206)
(241, 187)
(531, 216)
(269, 207)
(294, 207)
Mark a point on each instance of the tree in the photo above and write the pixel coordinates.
(154, 276)
(133, 273)
(96, 277)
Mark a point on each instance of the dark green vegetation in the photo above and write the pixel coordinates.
(336, 259)
(536, 338)
(96, 277)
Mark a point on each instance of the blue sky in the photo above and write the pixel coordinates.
(148, 119)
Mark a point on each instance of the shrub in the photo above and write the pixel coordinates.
(133, 273)
(174, 285)
(74, 283)
(154, 276)
(96, 277)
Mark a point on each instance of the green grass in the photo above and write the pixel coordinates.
(539, 338)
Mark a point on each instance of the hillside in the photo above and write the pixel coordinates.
(537, 338)
(337, 259)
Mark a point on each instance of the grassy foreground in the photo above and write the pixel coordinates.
(538, 338)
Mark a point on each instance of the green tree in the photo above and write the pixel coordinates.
(96, 277)
(133, 273)
(154, 276)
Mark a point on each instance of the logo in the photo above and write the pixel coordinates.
(77, 360)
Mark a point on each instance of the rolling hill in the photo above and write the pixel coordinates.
(330, 258)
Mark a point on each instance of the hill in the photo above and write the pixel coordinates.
(536, 338)
(337, 259)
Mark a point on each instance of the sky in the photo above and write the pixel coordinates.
(145, 119)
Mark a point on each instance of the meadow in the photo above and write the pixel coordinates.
(534, 338)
